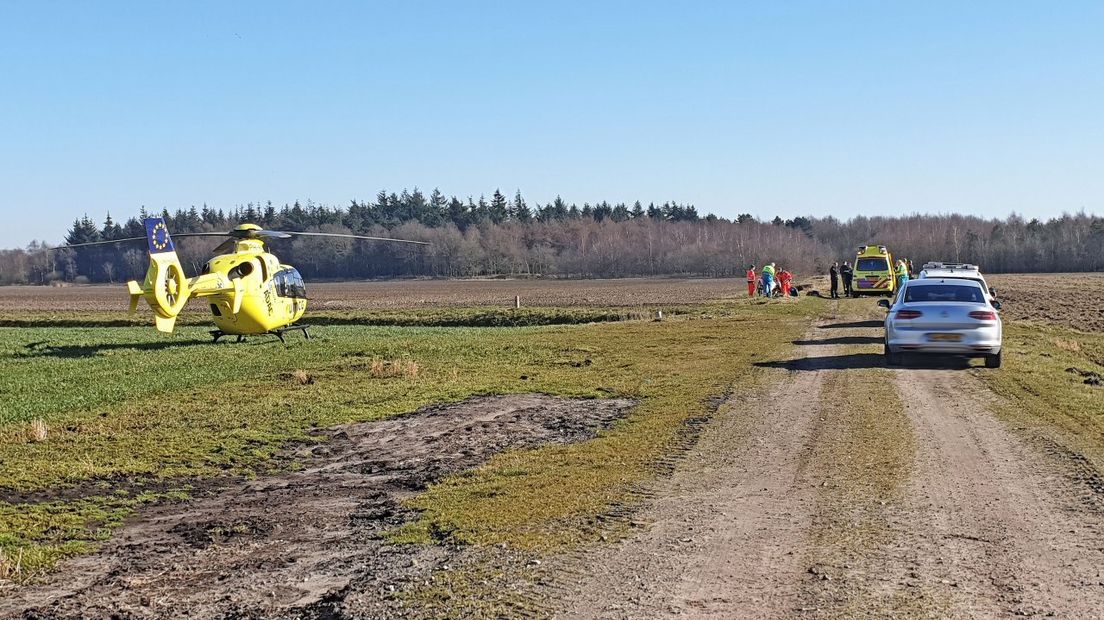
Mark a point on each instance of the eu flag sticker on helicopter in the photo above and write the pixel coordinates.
(157, 235)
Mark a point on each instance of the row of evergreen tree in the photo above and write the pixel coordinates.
(388, 211)
(501, 236)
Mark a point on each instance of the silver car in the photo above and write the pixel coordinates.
(949, 316)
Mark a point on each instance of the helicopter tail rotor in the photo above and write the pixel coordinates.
(165, 288)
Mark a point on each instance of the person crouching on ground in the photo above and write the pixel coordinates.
(785, 280)
(751, 280)
(833, 275)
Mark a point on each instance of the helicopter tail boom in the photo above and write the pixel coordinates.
(165, 288)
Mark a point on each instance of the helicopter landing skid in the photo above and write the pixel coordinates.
(279, 333)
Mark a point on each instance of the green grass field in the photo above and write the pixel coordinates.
(133, 417)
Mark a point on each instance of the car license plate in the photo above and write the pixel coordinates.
(945, 337)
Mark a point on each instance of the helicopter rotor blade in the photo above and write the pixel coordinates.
(273, 234)
(344, 236)
(128, 239)
(225, 247)
(200, 234)
(243, 234)
(82, 245)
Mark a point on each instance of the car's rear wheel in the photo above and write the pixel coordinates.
(891, 358)
(993, 361)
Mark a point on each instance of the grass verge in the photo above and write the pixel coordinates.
(1043, 396)
(861, 459)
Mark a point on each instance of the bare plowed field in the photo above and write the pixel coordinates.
(626, 292)
(1072, 299)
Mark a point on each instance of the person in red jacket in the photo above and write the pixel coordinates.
(785, 280)
(752, 280)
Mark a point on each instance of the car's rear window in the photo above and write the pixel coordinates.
(871, 264)
(943, 293)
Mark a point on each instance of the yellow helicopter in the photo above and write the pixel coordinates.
(249, 290)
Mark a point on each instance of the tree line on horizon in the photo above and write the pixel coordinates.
(502, 236)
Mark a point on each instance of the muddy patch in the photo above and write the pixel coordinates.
(1090, 377)
(310, 543)
(124, 486)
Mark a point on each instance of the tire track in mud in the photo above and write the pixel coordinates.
(309, 544)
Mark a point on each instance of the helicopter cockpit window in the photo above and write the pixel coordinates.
(290, 284)
(240, 270)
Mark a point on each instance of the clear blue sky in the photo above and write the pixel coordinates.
(787, 108)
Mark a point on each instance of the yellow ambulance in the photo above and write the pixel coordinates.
(873, 272)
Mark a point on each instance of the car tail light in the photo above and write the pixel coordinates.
(908, 314)
(984, 315)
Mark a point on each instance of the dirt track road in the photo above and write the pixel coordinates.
(850, 490)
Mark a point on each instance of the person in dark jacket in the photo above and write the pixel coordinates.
(847, 274)
(833, 274)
